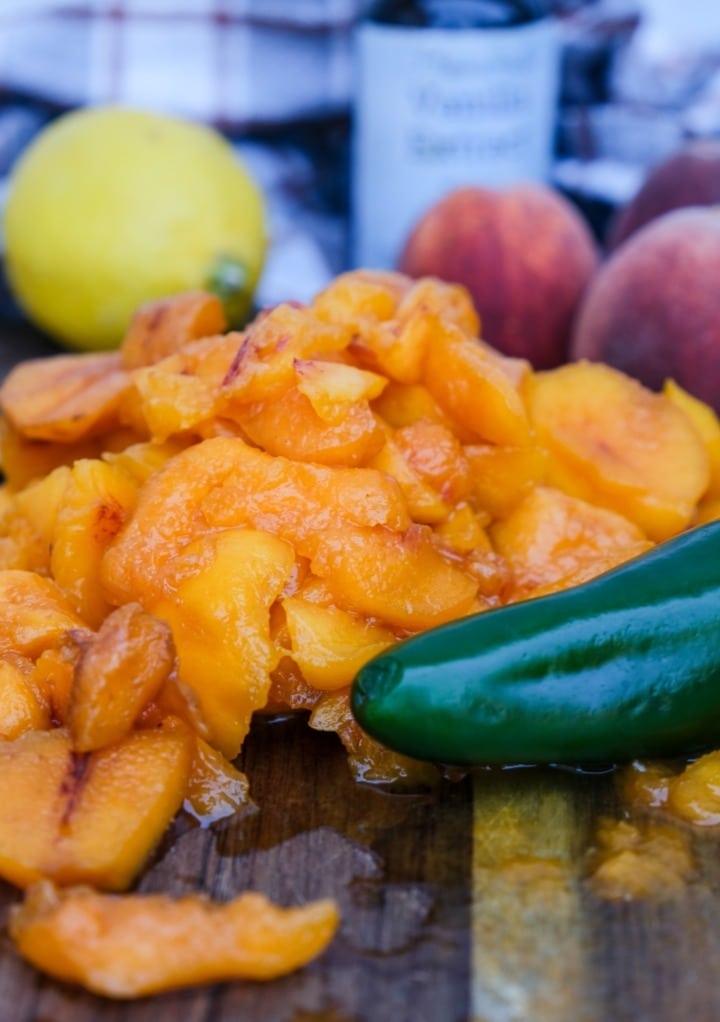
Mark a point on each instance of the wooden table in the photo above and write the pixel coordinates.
(469, 901)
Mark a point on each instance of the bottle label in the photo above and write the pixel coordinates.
(438, 109)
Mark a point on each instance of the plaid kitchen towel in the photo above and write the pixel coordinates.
(240, 64)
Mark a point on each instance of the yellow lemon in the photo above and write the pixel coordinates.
(110, 207)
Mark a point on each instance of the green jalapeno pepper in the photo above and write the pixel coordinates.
(626, 665)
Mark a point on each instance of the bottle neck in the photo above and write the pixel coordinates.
(456, 14)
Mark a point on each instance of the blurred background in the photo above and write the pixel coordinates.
(636, 79)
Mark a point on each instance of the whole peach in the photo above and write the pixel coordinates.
(653, 309)
(524, 253)
(690, 176)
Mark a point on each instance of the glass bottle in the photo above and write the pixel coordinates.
(449, 93)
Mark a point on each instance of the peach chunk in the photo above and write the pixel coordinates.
(330, 645)
(264, 366)
(64, 398)
(160, 327)
(222, 483)
(399, 578)
(95, 817)
(125, 946)
(216, 788)
(35, 613)
(218, 606)
(424, 503)
(360, 298)
(20, 708)
(95, 503)
(613, 442)
(292, 428)
(333, 387)
(501, 476)
(401, 404)
(470, 385)
(552, 541)
(118, 672)
(24, 460)
(694, 794)
(706, 422)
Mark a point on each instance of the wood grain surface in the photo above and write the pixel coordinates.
(467, 902)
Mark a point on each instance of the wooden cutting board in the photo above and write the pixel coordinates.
(467, 902)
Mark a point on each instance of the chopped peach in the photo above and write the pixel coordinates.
(464, 530)
(706, 422)
(292, 428)
(361, 297)
(95, 817)
(501, 476)
(552, 541)
(264, 366)
(694, 793)
(95, 503)
(613, 442)
(223, 482)
(399, 578)
(160, 327)
(470, 386)
(396, 348)
(172, 403)
(119, 671)
(40, 500)
(125, 946)
(401, 404)
(435, 453)
(368, 760)
(423, 502)
(330, 645)
(332, 387)
(218, 606)
(216, 789)
(20, 709)
(24, 460)
(35, 613)
(65, 398)
(53, 673)
(453, 303)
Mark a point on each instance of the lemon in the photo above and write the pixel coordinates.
(110, 207)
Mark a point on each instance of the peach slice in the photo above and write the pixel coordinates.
(264, 366)
(614, 443)
(399, 578)
(20, 709)
(706, 422)
(470, 385)
(64, 398)
(360, 298)
(424, 503)
(330, 645)
(552, 541)
(333, 387)
(119, 671)
(95, 817)
(218, 606)
(293, 429)
(501, 476)
(216, 787)
(161, 327)
(125, 946)
(95, 503)
(35, 613)
(401, 404)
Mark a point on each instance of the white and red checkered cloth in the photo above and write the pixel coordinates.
(236, 63)
(256, 69)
